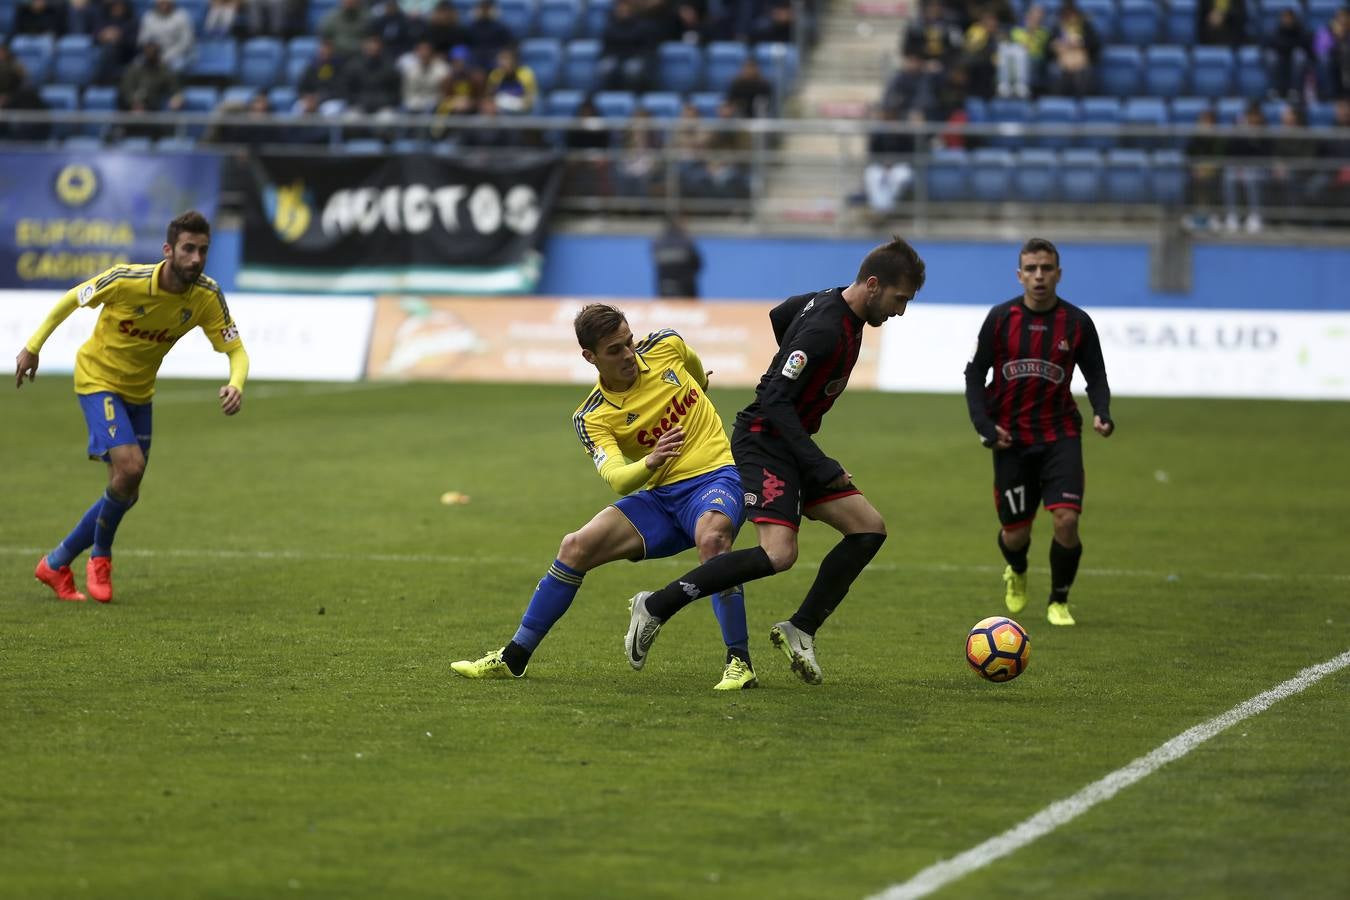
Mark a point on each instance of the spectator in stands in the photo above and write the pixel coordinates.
(1076, 45)
(115, 36)
(308, 106)
(243, 124)
(587, 172)
(394, 28)
(1221, 22)
(628, 48)
(933, 39)
(750, 91)
(728, 165)
(277, 18)
(1204, 149)
(81, 17)
(422, 72)
(18, 94)
(512, 85)
(489, 134)
(1022, 57)
(639, 168)
(370, 83)
(487, 35)
(1289, 41)
(1246, 172)
(12, 75)
(171, 29)
(323, 75)
(346, 26)
(225, 19)
(677, 261)
(909, 88)
(950, 106)
(1330, 183)
(1291, 175)
(692, 21)
(1331, 51)
(443, 28)
(889, 171)
(980, 52)
(462, 88)
(148, 86)
(774, 23)
(689, 144)
(39, 17)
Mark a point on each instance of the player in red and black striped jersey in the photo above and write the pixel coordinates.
(785, 474)
(1031, 420)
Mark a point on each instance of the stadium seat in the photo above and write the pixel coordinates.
(1033, 177)
(1015, 115)
(318, 10)
(1179, 25)
(82, 142)
(721, 63)
(1320, 13)
(1211, 71)
(408, 145)
(615, 104)
(1321, 115)
(597, 14)
(261, 62)
(1165, 70)
(35, 52)
(563, 102)
(1120, 71)
(63, 98)
(199, 99)
(680, 67)
(779, 64)
(76, 60)
(661, 104)
(1230, 109)
(1168, 177)
(1253, 78)
(1100, 112)
(1138, 22)
(544, 57)
(1267, 20)
(217, 59)
(1080, 176)
(237, 95)
(1186, 110)
(196, 10)
(175, 144)
(1149, 112)
(299, 51)
(977, 110)
(517, 15)
(948, 172)
(362, 146)
(1102, 15)
(706, 102)
(581, 65)
(991, 175)
(137, 144)
(281, 98)
(7, 8)
(1055, 111)
(1127, 176)
(102, 99)
(559, 19)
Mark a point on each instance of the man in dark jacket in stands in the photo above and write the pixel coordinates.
(677, 261)
(370, 81)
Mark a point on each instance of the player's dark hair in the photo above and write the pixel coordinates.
(1037, 245)
(191, 222)
(893, 264)
(595, 322)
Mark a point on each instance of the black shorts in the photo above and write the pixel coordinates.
(775, 491)
(1051, 473)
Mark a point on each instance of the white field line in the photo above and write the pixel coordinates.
(804, 563)
(1061, 812)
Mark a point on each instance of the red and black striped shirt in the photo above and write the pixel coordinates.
(1033, 355)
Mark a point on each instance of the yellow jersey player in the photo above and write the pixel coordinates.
(145, 310)
(656, 438)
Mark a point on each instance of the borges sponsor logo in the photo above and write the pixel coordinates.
(1033, 368)
(676, 410)
(126, 326)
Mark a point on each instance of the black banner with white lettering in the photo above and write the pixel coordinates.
(415, 223)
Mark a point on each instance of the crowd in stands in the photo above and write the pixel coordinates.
(1254, 70)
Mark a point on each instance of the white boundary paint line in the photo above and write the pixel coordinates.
(1063, 811)
(451, 559)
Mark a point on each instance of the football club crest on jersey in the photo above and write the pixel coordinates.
(631, 418)
(140, 310)
(184, 314)
(1062, 346)
(795, 365)
(670, 377)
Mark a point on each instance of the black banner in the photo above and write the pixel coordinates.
(415, 223)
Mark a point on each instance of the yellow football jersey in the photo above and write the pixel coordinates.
(138, 325)
(669, 391)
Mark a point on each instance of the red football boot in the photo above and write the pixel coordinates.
(61, 581)
(98, 578)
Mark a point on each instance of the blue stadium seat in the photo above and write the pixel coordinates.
(237, 95)
(1320, 13)
(261, 62)
(679, 67)
(1211, 71)
(1145, 112)
(137, 144)
(661, 104)
(721, 63)
(76, 60)
(1168, 177)
(1321, 115)
(559, 19)
(948, 173)
(1055, 111)
(1268, 18)
(706, 102)
(977, 110)
(281, 98)
(408, 145)
(581, 65)
(517, 15)
(1127, 176)
(1186, 110)
(563, 102)
(318, 11)
(1080, 176)
(1034, 176)
(300, 50)
(362, 146)
(217, 58)
(1230, 109)
(597, 14)
(615, 104)
(1179, 26)
(991, 175)
(175, 144)
(63, 97)
(1165, 70)
(779, 64)
(1253, 78)
(98, 98)
(1272, 110)
(7, 8)
(1102, 15)
(36, 53)
(1120, 70)
(196, 10)
(1011, 112)
(544, 57)
(82, 142)
(199, 99)
(1138, 23)
(1100, 112)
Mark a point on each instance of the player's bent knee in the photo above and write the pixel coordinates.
(575, 551)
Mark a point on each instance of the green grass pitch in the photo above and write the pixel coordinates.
(267, 709)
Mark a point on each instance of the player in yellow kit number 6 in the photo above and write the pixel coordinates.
(146, 309)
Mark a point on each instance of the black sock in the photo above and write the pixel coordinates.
(742, 654)
(717, 574)
(1016, 558)
(838, 570)
(1063, 568)
(516, 657)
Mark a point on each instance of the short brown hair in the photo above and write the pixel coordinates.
(595, 322)
(893, 264)
(191, 222)
(1037, 245)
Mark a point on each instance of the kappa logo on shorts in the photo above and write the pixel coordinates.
(773, 486)
(632, 417)
(795, 365)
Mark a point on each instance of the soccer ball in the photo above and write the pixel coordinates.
(998, 649)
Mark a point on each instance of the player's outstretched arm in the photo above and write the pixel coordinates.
(232, 394)
(26, 363)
